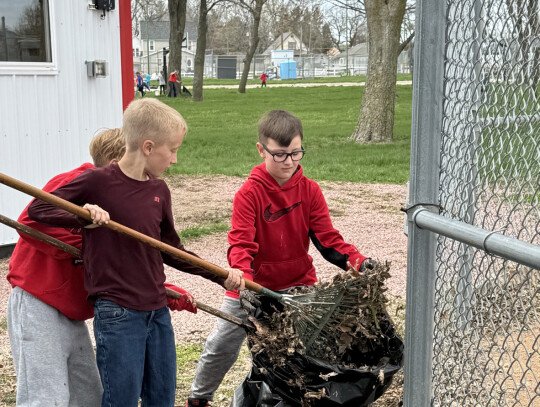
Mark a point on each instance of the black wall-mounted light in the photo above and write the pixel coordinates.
(104, 5)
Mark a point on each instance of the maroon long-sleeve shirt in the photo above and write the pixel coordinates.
(119, 268)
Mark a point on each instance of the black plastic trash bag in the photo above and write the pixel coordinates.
(277, 386)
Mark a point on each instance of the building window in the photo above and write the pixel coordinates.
(291, 45)
(24, 31)
(151, 45)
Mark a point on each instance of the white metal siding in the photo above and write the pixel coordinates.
(47, 120)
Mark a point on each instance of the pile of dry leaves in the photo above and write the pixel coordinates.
(330, 319)
(343, 323)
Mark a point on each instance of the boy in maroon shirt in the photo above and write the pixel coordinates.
(124, 278)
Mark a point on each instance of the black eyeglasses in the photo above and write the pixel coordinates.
(281, 157)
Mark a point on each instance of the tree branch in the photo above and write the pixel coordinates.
(344, 4)
(404, 44)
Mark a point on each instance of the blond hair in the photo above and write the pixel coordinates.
(150, 119)
(106, 146)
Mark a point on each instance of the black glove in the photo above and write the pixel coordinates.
(249, 301)
(367, 264)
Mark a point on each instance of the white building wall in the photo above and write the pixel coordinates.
(49, 117)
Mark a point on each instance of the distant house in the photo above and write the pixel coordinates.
(287, 41)
(356, 59)
(152, 37)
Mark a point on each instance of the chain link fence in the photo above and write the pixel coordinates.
(486, 344)
(308, 66)
(473, 295)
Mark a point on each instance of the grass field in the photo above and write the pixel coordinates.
(223, 132)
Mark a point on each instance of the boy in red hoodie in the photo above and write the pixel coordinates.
(52, 352)
(275, 214)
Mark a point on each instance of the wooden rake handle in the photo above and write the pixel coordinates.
(165, 248)
(76, 253)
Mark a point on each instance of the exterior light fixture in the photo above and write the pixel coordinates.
(97, 69)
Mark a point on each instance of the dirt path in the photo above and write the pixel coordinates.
(366, 214)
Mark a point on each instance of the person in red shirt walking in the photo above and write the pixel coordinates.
(264, 77)
(173, 78)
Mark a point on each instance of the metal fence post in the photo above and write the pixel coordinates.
(424, 183)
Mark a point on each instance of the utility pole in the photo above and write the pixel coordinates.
(147, 50)
(347, 37)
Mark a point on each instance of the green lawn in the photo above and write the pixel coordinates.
(223, 132)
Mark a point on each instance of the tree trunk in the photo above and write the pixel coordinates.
(177, 17)
(376, 119)
(254, 43)
(200, 53)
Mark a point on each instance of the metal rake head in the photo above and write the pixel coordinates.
(325, 317)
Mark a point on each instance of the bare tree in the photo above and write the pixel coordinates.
(146, 10)
(348, 25)
(228, 29)
(376, 119)
(255, 8)
(177, 19)
(202, 28)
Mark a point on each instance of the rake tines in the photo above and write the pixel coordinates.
(328, 319)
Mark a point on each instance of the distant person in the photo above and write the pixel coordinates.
(148, 77)
(140, 83)
(264, 77)
(173, 78)
(162, 83)
(276, 213)
(52, 352)
(136, 353)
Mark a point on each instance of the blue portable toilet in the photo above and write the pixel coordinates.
(287, 70)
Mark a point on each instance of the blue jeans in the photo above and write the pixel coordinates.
(172, 89)
(136, 355)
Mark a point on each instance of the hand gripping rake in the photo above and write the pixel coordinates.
(76, 253)
(319, 316)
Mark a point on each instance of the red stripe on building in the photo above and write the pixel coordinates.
(126, 52)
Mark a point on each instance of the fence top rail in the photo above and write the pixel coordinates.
(490, 241)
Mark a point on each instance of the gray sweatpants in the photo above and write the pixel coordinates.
(220, 352)
(53, 355)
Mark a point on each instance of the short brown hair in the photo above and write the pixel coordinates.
(150, 119)
(281, 126)
(106, 146)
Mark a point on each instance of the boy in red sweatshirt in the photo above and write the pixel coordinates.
(275, 214)
(52, 352)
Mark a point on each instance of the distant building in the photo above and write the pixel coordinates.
(152, 37)
(356, 60)
(287, 41)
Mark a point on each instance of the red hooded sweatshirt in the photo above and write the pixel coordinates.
(50, 274)
(271, 229)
